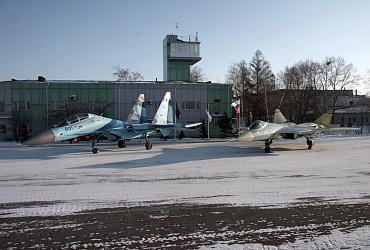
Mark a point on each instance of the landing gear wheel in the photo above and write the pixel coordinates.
(121, 144)
(310, 144)
(95, 150)
(267, 150)
(148, 145)
(267, 146)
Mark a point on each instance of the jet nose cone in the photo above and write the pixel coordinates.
(246, 136)
(41, 138)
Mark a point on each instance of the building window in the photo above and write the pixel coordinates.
(156, 104)
(97, 105)
(23, 129)
(217, 108)
(59, 105)
(22, 105)
(190, 105)
(215, 125)
(2, 129)
(2, 107)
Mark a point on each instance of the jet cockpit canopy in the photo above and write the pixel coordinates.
(257, 124)
(73, 119)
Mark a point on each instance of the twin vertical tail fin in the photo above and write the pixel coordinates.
(138, 112)
(164, 114)
(279, 117)
(324, 119)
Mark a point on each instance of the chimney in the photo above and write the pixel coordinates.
(41, 79)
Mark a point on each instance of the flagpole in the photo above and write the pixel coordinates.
(207, 120)
(239, 124)
(237, 107)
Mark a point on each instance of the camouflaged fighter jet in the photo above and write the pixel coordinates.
(99, 126)
(264, 131)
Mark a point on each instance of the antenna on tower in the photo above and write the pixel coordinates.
(177, 28)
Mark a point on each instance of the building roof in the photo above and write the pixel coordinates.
(114, 82)
(356, 110)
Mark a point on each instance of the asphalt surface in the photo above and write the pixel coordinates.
(180, 226)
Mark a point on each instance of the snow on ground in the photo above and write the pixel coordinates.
(61, 179)
(359, 239)
(70, 178)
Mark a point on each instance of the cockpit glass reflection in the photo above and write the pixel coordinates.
(73, 119)
(257, 125)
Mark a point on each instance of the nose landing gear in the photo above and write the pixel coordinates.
(94, 149)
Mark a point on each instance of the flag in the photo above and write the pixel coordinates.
(177, 111)
(236, 106)
(209, 117)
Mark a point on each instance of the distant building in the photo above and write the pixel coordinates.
(29, 107)
(6, 127)
(355, 116)
(178, 54)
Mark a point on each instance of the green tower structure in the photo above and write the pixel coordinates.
(178, 54)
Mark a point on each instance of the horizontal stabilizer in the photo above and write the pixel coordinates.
(341, 129)
(165, 131)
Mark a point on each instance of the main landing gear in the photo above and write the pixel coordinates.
(310, 143)
(268, 142)
(148, 144)
(121, 143)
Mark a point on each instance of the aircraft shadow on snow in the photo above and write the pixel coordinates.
(170, 156)
(167, 156)
(40, 153)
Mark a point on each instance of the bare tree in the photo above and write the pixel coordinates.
(366, 82)
(264, 82)
(196, 74)
(299, 95)
(21, 124)
(342, 75)
(126, 74)
(239, 76)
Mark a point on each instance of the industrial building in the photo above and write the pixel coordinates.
(31, 106)
(36, 105)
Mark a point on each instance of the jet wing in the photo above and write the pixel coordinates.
(302, 130)
(137, 130)
(125, 133)
(296, 130)
(176, 126)
(193, 125)
(332, 129)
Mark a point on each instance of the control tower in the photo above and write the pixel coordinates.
(179, 52)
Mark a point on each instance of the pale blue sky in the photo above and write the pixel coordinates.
(85, 39)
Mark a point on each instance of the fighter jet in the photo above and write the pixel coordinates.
(264, 131)
(134, 127)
